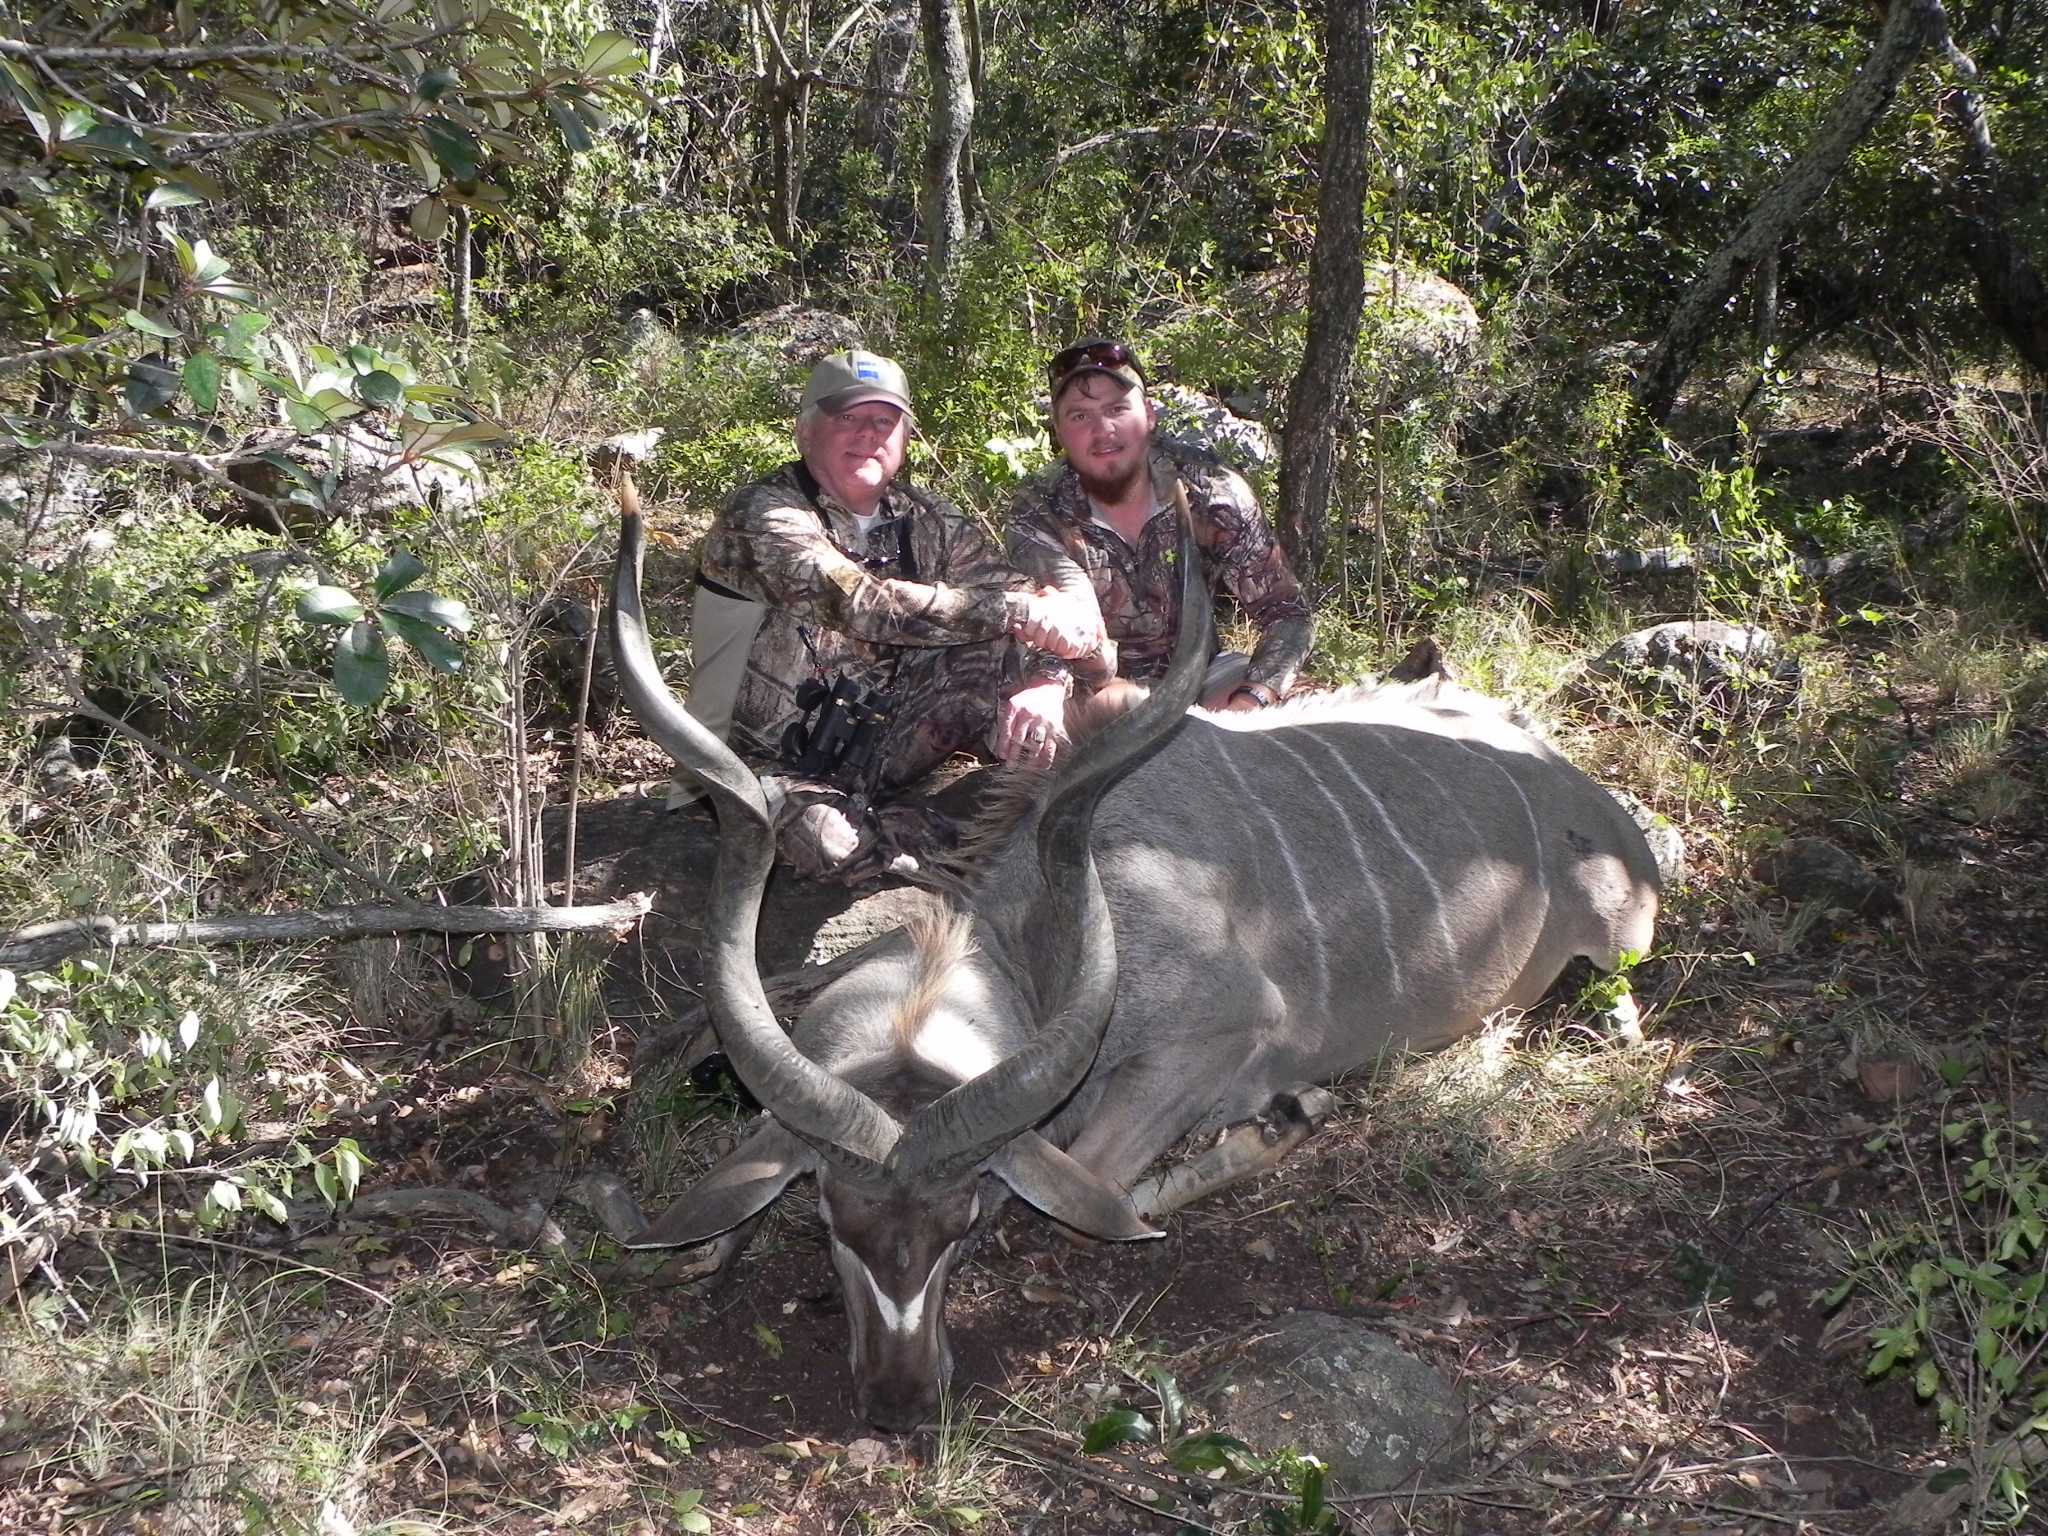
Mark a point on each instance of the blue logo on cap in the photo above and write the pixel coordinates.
(867, 370)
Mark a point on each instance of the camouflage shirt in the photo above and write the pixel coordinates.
(1056, 538)
(923, 578)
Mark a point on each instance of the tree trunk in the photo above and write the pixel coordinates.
(2010, 289)
(1321, 392)
(952, 117)
(462, 278)
(1908, 29)
(878, 121)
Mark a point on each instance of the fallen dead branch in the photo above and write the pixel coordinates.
(47, 943)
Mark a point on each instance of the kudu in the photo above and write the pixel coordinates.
(1199, 917)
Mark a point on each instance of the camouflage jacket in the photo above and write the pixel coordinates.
(923, 577)
(1055, 537)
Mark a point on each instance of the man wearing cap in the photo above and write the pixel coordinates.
(832, 573)
(1100, 522)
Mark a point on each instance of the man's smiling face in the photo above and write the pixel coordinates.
(1105, 427)
(855, 452)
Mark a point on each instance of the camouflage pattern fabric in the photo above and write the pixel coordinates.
(1055, 538)
(919, 609)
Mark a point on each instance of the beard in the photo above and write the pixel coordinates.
(1111, 491)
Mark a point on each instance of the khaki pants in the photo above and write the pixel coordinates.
(722, 631)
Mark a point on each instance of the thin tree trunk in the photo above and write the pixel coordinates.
(463, 279)
(1321, 392)
(1908, 29)
(878, 120)
(2010, 289)
(952, 118)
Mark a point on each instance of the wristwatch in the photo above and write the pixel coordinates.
(1267, 697)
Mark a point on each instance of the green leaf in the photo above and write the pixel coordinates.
(432, 438)
(398, 573)
(152, 385)
(574, 134)
(1947, 1478)
(173, 194)
(136, 320)
(441, 653)
(1118, 1426)
(243, 329)
(610, 54)
(436, 83)
(1205, 1453)
(329, 605)
(380, 389)
(432, 608)
(454, 147)
(362, 664)
(202, 381)
(429, 218)
(303, 416)
(124, 144)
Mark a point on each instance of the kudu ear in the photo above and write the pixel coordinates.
(742, 1182)
(1041, 1173)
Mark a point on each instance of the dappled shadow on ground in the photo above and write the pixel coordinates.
(1616, 1252)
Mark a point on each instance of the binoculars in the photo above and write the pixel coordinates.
(839, 734)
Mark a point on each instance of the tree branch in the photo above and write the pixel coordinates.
(213, 143)
(226, 53)
(1074, 151)
(1907, 31)
(210, 467)
(44, 354)
(46, 943)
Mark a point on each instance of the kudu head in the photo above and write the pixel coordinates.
(901, 1152)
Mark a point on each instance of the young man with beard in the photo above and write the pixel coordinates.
(834, 575)
(1101, 523)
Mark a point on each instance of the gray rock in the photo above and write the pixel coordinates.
(1193, 417)
(1814, 869)
(1707, 659)
(1667, 847)
(801, 334)
(1372, 1413)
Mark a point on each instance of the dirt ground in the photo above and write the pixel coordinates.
(1647, 1356)
(1631, 1315)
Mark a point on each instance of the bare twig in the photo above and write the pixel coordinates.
(1061, 156)
(282, 1262)
(47, 943)
(210, 467)
(45, 354)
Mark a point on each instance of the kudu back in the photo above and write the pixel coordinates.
(1196, 919)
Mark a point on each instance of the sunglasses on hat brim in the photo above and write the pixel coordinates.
(1093, 357)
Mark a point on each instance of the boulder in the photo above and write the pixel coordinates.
(1814, 869)
(1340, 1391)
(1192, 417)
(801, 334)
(1705, 659)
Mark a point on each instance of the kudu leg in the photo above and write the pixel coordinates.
(1253, 1147)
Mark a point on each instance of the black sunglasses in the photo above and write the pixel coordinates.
(1092, 354)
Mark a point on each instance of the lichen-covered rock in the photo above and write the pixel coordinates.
(801, 334)
(1193, 417)
(1342, 1392)
(1814, 869)
(1708, 659)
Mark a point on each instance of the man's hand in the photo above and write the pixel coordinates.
(1067, 627)
(1031, 730)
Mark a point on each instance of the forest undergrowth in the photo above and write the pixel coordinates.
(318, 321)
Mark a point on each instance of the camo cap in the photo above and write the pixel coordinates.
(847, 379)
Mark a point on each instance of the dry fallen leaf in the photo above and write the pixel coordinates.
(1889, 1082)
(1046, 1296)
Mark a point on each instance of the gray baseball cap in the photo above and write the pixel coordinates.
(853, 378)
